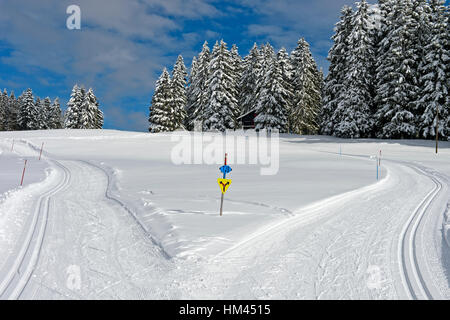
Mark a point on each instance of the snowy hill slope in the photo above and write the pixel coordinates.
(126, 219)
(179, 203)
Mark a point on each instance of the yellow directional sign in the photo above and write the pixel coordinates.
(224, 184)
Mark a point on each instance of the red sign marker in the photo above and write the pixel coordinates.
(23, 172)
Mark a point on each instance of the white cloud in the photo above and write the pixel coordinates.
(121, 47)
(283, 22)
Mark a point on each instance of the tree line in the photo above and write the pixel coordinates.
(284, 91)
(389, 71)
(29, 113)
(388, 78)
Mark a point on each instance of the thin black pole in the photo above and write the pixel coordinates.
(437, 127)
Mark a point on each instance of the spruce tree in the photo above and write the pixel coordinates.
(99, 117)
(284, 62)
(54, 116)
(273, 100)
(88, 111)
(72, 116)
(46, 112)
(434, 80)
(29, 114)
(13, 111)
(4, 117)
(251, 71)
(397, 72)
(190, 97)
(179, 81)
(162, 116)
(40, 114)
(334, 83)
(266, 55)
(221, 111)
(237, 72)
(307, 94)
(198, 90)
(354, 109)
(447, 71)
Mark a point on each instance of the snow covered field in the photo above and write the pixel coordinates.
(117, 219)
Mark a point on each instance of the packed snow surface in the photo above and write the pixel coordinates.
(113, 217)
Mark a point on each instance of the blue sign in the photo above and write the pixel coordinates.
(225, 170)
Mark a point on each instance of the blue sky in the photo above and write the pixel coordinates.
(123, 45)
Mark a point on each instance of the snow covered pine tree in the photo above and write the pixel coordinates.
(222, 110)
(179, 100)
(197, 91)
(334, 85)
(273, 101)
(29, 114)
(396, 74)
(162, 117)
(434, 97)
(73, 113)
(307, 91)
(355, 106)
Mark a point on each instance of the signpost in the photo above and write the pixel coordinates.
(437, 127)
(376, 160)
(40, 154)
(224, 183)
(23, 172)
(379, 164)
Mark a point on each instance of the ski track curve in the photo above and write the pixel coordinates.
(412, 277)
(348, 252)
(23, 264)
(358, 245)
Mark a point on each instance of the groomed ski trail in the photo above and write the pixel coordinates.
(22, 265)
(355, 245)
(352, 246)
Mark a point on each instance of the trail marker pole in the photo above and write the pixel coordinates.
(437, 128)
(340, 150)
(377, 166)
(221, 204)
(224, 183)
(40, 154)
(23, 172)
(12, 147)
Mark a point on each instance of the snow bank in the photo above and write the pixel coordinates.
(12, 163)
(446, 226)
(16, 206)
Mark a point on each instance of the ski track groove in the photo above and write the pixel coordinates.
(407, 246)
(17, 279)
(412, 279)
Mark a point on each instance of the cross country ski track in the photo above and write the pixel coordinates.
(23, 264)
(412, 277)
(363, 244)
(408, 276)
